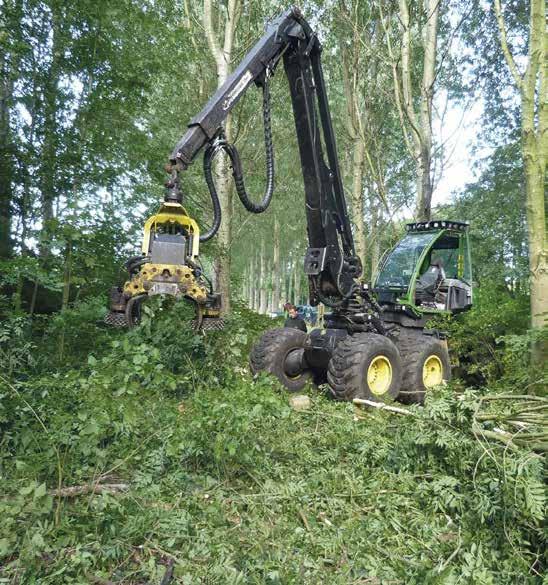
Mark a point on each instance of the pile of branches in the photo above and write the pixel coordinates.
(518, 420)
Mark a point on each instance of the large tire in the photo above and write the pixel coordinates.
(270, 352)
(365, 365)
(426, 364)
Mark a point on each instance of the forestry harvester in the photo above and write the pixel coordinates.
(375, 344)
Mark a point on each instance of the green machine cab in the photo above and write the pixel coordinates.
(428, 272)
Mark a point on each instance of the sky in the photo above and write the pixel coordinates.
(458, 132)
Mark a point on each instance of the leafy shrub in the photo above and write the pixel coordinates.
(477, 337)
(235, 487)
(17, 350)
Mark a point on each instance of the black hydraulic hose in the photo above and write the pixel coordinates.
(131, 319)
(237, 171)
(336, 304)
(209, 155)
(133, 264)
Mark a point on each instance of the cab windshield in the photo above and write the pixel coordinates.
(398, 267)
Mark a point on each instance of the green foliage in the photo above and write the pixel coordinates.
(16, 349)
(234, 486)
(494, 204)
(478, 337)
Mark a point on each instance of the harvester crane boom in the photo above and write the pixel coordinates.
(330, 262)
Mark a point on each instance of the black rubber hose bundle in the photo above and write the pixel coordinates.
(209, 155)
(335, 304)
(237, 171)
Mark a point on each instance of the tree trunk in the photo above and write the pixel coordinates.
(430, 42)
(535, 147)
(276, 267)
(420, 124)
(533, 86)
(355, 128)
(48, 159)
(223, 58)
(6, 158)
(249, 284)
(284, 291)
(267, 288)
(374, 237)
(66, 295)
(244, 286)
(262, 290)
(297, 288)
(538, 252)
(357, 197)
(289, 277)
(256, 283)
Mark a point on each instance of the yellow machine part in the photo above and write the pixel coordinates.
(174, 279)
(172, 213)
(179, 275)
(379, 375)
(432, 371)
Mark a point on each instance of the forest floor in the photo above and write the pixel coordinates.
(219, 480)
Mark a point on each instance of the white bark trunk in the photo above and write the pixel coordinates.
(289, 277)
(297, 286)
(276, 267)
(534, 128)
(257, 285)
(430, 42)
(223, 57)
(262, 292)
(421, 123)
(358, 198)
(375, 238)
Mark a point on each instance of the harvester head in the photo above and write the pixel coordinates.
(168, 265)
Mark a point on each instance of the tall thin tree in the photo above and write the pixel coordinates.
(532, 86)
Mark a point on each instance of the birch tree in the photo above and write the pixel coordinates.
(262, 280)
(415, 104)
(276, 267)
(532, 88)
(222, 53)
(355, 126)
(369, 121)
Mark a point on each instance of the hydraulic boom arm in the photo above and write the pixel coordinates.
(330, 263)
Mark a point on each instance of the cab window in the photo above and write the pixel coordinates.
(450, 253)
(399, 266)
(445, 253)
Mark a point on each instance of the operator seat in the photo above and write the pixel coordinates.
(428, 284)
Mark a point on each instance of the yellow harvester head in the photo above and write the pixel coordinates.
(168, 265)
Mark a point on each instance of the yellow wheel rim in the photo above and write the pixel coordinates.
(379, 375)
(432, 371)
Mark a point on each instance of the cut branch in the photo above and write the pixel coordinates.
(81, 490)
(382, 406)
